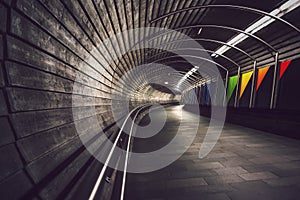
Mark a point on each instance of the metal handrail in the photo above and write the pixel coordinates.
(127, 153)
(105, 165)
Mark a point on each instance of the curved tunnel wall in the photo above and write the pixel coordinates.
(42, 46)
(43, 43)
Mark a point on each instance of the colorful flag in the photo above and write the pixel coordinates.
(245, 80)
(262, 72)
(231, 86)
(283, 67)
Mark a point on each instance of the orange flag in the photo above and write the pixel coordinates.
(262, 72)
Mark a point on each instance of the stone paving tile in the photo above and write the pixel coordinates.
(258, 176)
(235, 162)
(292, 157)
(288, 165)
(148, 177)
(208, 189)
(219, 196)
(285, 172)
(198, 160)
(219, 180)
(178, 167)
(258, 168)
(230, 170)
(221, 155)
(183, 183)
(144, 193)
(153, 186)
(285, 181)
(192, 173)
(205, 165)
(262, 191)
(269, 159)
(188, 157)
(262, 145)
(282, 152)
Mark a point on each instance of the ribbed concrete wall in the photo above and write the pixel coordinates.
(43, 43)
(40, 150)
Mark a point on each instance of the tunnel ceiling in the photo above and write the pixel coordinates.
(122, 15)
(212, 23)
(239, 19)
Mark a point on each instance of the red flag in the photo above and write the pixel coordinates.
(283, 67)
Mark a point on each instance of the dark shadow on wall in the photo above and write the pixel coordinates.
(289, 90)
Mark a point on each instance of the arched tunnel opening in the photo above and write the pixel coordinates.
(153, 99)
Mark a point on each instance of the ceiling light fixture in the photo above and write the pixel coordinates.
(260, 24)
(200, 30)
(187, 75)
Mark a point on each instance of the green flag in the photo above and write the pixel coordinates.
(231, 86)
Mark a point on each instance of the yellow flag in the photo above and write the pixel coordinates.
(245, 80)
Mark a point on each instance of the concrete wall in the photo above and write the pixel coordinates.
(41, 153)
(43, 46)
(42, 43)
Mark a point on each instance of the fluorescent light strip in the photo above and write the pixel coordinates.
(188, 74)
(258, 25)
(200, 30)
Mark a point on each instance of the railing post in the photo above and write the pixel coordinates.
(216, 90)
(225, 89)
(236, 100)
(275, 83)
(253, 90)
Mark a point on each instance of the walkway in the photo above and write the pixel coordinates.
(245, 164)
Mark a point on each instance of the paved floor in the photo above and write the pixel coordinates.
(245, 164)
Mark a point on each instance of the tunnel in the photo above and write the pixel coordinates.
(149, 99)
